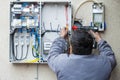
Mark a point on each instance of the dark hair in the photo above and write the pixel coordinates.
(81, 42)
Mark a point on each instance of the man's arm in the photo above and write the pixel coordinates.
(59, 46)
(104, 48)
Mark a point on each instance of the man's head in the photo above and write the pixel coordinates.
(81, 42)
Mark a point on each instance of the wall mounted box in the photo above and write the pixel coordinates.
(33, 28)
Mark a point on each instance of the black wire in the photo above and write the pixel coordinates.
(15, 56)
(43, 33)
(26, 53)
(16, 53)
(22, 58)
(12, 36)
(49, 31)
(21, 52)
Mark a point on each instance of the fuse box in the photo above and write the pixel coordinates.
(33, 28)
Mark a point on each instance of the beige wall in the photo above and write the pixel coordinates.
(9, 71)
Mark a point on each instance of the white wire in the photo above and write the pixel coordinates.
(81, 4)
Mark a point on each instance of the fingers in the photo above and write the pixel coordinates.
(63, 29)
(63, 32)
(96, 35)
(92, 33)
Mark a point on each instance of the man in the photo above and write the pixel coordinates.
(80, 64)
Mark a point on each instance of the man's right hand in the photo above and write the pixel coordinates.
(96, 35)
(64, 33)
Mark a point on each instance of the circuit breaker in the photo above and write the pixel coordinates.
(33, 28)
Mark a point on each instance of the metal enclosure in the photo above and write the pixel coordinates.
(33, 28)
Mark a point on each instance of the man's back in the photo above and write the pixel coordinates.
(87, 67)
(81, 66)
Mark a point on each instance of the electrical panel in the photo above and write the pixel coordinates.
(98, 16)
(33, 28)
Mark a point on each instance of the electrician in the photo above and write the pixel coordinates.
(80, 64)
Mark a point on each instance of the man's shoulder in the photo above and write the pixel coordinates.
(63, 56)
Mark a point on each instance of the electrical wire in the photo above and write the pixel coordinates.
(12, 41)
(66, 14)
(35, 51)
(26, 52)
(21, 58)
(74, 16)
(35, 48)
(36, 55)
(21, 52)
(43, 33)
(15, 55)
(48, 31)
(13, 51)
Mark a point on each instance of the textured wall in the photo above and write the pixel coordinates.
(10, 71)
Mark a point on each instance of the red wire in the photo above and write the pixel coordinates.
(66, 14)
